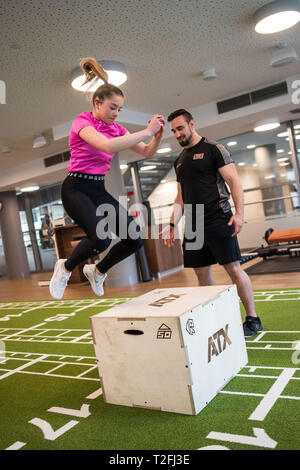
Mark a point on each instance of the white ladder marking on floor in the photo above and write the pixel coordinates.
(273, 394)
(259, 337)
(28, 364)
(23, 331)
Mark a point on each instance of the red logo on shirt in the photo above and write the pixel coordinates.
(198, 156)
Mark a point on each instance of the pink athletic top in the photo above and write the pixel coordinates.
(84, 157)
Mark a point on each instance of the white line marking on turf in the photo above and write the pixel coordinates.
(81, 337)
(273, 394)
(84, 411)
(16, 446)
(261, 438)
(48, 431)
(87, 371)
(259, 336)
(95, 394)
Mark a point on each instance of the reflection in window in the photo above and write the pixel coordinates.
(266, 172)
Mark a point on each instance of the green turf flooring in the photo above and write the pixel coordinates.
(51, 396)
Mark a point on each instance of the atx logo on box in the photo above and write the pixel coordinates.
(165, 300)
(2, 92)
(214, 342)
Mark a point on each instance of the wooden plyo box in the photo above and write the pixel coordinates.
(170, 349)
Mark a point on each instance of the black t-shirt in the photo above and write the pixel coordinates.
(201, 183)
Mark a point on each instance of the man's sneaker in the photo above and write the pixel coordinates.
(59, 280)
(251, 326)
(96, 280)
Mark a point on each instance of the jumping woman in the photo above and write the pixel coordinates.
(94, 139)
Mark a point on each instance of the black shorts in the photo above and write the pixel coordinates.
(219, 246)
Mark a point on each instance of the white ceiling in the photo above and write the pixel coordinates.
(165, 45)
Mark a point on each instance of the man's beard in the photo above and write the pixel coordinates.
(184, 142)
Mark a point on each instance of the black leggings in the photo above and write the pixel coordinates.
(81, 198)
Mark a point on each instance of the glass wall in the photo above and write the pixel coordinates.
(265, 167)
(47, 210)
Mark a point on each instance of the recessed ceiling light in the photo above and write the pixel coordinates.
(251, 146)
(276, 16)
(267, 125)
(164, 150)
(28, 189)
(283, 55)
(232, 143)
(40, 141)
(280, 150)
(282, 134)
(269, 177)
(116, 76)
(241, 164)
(283, 159)
(147, 167)
(209, 74)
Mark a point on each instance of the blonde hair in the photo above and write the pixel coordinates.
(93, 71)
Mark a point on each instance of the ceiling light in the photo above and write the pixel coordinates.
(164, 150)
(40, 141)
(163, 181)
(148, 167)
(267, 125)
(283, 159)
(232, 143)
(251, 146)
(209, 74)
(241, 164)
(297, 126)
(282, 134)
(28, 189)
(123, 166)
(280, 150)
(254, 164)
(276, 16)
(283, 55)
(269, 177)
(116, 76)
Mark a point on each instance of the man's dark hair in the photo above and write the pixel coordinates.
(180, 112)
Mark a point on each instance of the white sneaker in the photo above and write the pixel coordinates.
(96, 280)
(59, 280)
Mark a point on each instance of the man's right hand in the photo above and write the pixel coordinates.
(168, 235)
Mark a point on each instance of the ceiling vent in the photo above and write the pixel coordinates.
(252, 97)
(56, 159)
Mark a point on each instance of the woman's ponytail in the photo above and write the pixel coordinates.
(92, 71)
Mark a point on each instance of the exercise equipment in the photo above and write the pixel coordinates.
(171, 349)
(280, 242)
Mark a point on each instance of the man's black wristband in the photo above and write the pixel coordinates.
(172, 225)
